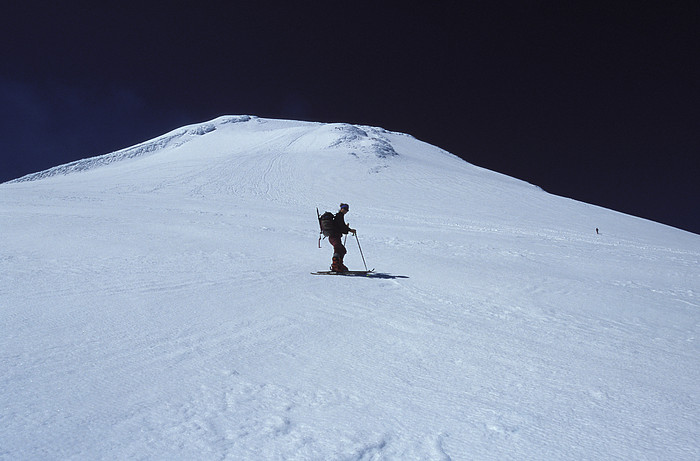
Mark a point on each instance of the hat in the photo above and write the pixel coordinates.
(344, 205)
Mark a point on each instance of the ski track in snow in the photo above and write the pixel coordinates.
(156, 304)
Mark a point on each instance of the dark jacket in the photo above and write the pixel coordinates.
(339, 226)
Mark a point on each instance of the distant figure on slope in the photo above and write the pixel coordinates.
(339, 228)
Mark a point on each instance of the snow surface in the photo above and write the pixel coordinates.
(156, 303)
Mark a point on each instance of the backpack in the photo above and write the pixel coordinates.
(327, 223)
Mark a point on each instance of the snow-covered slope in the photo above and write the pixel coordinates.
(156, 303)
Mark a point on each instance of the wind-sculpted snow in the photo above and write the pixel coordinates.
(365, 139)
(156, 303)
(173, 139)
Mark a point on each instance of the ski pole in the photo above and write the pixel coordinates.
(358, 246)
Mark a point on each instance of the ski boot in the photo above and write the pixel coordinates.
(337, 265)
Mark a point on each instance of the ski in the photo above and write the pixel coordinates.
(347, 273)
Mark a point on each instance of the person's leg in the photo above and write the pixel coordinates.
(338, 254)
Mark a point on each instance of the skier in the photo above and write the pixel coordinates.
(335, 239)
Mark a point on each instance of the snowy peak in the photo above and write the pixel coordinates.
(305, 163)
(359, 141)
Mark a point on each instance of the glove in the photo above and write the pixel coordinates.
(353, 231)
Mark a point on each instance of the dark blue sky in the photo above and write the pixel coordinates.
(597, 101)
